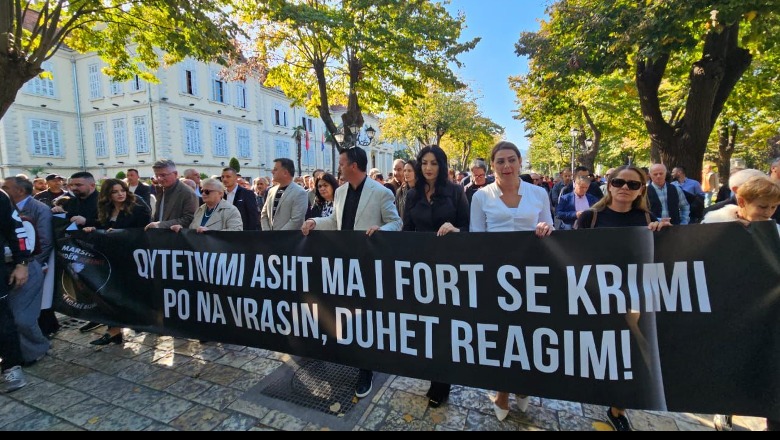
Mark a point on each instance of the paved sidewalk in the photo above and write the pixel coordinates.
(162, 383)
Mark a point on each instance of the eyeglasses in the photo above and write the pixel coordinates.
(206, 192)
(633, 185)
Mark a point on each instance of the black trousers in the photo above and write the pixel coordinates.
(10, 352)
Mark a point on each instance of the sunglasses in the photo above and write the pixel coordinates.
(633, 185)
(206, 192)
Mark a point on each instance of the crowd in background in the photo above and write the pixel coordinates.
(421, 195)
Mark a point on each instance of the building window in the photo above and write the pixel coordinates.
(307, 124)
(101, 149)
(326, 158)
(280, 117)
(117, 88)
(282, 149)
(220, 140)
(95, 89)
(45, 137)
(240, 96)
(218, 90)
(137, 84)
(192, 137)
(189, 79)
(244, 143)
(120, 137)
(141, 135)
(41, 86)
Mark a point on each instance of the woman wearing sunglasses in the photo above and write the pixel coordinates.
(624, 205)
(216, 213)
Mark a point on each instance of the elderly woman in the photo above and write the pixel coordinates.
(216, 213)
(757, 201)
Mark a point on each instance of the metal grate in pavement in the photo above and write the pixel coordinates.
(70, 323)
(318, 385)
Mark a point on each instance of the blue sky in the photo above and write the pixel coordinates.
(488, 67)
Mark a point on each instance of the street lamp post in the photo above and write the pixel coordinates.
(559, 146)
(355, 139)
(575, 135)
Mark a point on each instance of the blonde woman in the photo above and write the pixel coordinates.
(216, 213)
(757, 201)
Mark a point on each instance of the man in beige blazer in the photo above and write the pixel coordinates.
(286, 204)
(362, 204)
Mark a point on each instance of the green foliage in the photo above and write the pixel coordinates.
(204, 176)
(403, 154)
(121, 175)
(128, 36)
(362, 54)
(235, 164)
(36, 171)
(654, 75)
(450, 119)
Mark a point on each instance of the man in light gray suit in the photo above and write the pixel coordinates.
(286, 204)
(362, 204)
(25, 301)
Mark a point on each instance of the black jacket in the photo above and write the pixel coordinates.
(448, 204)
(246, 203)
(144, 192)
(87, 208)
(139, 218)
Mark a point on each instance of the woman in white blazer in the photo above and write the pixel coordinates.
(216, 213)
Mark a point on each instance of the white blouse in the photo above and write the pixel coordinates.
(490, 214)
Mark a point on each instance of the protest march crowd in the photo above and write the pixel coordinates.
(420, 195)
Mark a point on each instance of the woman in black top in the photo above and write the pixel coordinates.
(325, 191)
(118, 208)
(624, 205)
(435, 205)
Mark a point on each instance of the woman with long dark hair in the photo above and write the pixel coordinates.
(324, 194)
(435, 205)
(118, 208)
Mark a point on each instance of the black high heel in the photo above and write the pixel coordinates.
(108, 339)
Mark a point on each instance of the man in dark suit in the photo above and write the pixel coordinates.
(241, 198)
(595, 188)
(26, 300)
(140, 189)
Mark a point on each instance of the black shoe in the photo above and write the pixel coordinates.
(88, 327)
(437, 394)
(620, 423)
(364, 384)
(108, 339)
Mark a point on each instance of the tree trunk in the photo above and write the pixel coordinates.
(588, 156)
(14, 73)
(353, 115)
(324, 108)
(727, 140)
(464, 155)
(298, 142)
(712, 79)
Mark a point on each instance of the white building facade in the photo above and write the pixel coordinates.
(81, 120)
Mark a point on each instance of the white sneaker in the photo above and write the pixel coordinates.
(13, 379)
(522, 402)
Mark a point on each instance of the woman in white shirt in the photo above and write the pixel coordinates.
(510, 205)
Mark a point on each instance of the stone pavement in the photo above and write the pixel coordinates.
(157, 383)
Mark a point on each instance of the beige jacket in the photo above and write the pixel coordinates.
(225, 217)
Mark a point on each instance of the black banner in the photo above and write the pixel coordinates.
(682, 320)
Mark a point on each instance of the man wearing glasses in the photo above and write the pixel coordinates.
(176, 202)
(479, 178)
